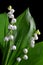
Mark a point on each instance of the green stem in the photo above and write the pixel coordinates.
(9, 51)
(7, 57)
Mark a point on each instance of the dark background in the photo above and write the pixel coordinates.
(36, 9)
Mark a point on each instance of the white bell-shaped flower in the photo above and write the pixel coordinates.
(10, 15)
(13, 47)
(32, 44)
(25, 57)
(12, 27)
(6, 39)
(25, 50)
(33, 41)
(12, 11)
(13, 21)
(9, 26)
(36, 36)
(11, 37)
(18, 59)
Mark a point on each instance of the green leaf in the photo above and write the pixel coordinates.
(3, 28)
(35, 55)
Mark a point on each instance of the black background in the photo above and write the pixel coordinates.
(36, 9)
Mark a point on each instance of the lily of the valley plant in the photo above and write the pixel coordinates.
(18, 37)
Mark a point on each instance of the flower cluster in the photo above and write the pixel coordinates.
(35, 37)
(25, 57)
(11, 26)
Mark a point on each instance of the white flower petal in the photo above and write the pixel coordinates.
(36, 36)
(12, 27)
(11, 37)
(10, 15)
(32, 44)
(25, 50)
(13, 47)
(18, 59)
(13, 20)
(6, 39)
(32, 41)
(25, 57)
(12, 11)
